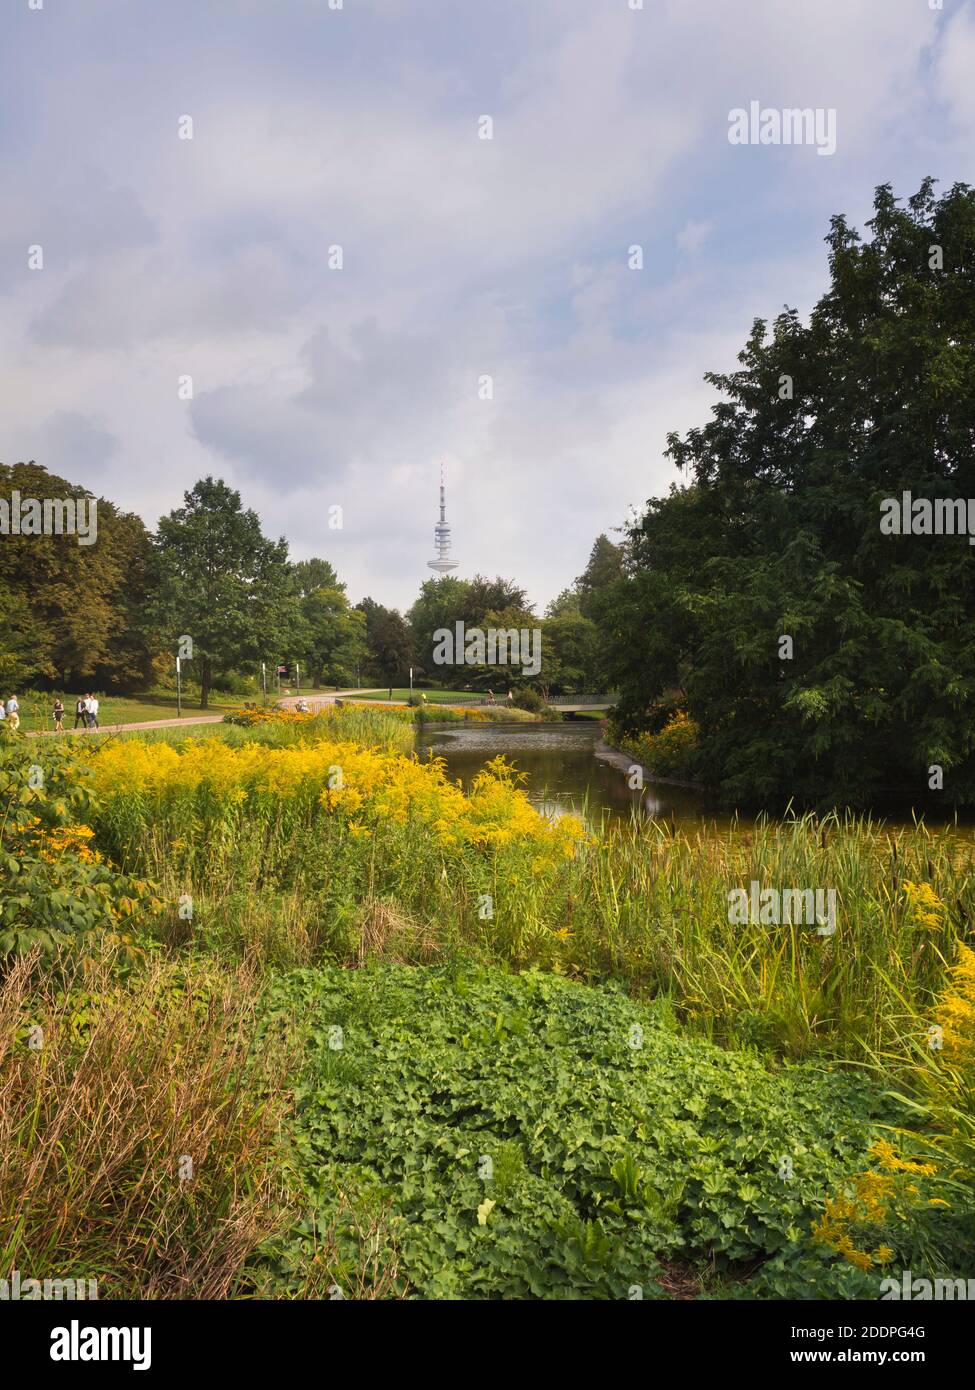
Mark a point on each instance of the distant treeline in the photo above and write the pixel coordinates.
(112, 608)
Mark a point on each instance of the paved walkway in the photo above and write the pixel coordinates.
(124, 728)
(289, 701)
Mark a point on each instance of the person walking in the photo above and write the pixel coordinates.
(81, 713)
(510, 700)
(91, 704)
(13, 713)
(58, 716)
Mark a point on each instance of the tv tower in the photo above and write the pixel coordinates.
(441, 533)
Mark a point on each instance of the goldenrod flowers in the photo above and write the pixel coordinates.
(341, 782)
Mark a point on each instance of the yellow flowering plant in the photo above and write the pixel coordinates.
(874, 1215)
(56, 889)
(925, 909)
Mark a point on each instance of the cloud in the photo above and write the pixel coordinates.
(463, 258)
(956, 66)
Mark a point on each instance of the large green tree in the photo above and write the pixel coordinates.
(822, 658)
(221, 582)
(331, 635)
(570, 654)
(446, 601)
(605, 566)
(389, 642)
(71, 613)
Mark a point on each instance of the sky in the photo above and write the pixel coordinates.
(190, 316)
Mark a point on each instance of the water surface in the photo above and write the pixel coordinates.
(563, 771)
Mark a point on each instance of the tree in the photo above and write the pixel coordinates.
(23, 643)
(604, 568)
(565, 602)
(220, 582)
(441, 603)
(444, 602)
(570, 654)
(309, 575)
(333, 636)
(390, 646)
(72, 612)
(821, 657)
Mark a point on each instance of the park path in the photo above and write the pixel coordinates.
(125, 728)
(315, 701)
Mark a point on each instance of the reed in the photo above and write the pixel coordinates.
(276, 860)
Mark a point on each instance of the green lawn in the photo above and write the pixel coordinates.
(35, 710)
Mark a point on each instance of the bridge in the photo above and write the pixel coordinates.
(566, 704)
(578, 704)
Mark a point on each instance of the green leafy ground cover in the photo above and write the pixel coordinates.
(530, 1141)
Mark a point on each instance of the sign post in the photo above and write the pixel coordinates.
(264, 682)
(179, 691)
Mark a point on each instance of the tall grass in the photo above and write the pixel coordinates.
(100, 1122)
(355, 723)
(291, 879)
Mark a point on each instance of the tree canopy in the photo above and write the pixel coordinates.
(776, 535)
(71, 612)
(218, 580)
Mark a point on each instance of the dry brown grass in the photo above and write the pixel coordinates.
(384, 931)
(95, 1124)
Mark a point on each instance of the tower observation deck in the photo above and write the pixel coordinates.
(441, 534)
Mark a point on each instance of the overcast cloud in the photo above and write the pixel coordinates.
(462, 257)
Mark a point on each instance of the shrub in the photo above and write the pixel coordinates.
(529, 699)
(669, 753)
(56, 889)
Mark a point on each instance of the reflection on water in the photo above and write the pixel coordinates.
(562, 770)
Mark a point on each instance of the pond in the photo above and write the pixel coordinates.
(567, 766)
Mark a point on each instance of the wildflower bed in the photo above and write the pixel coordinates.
(622, 1143)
